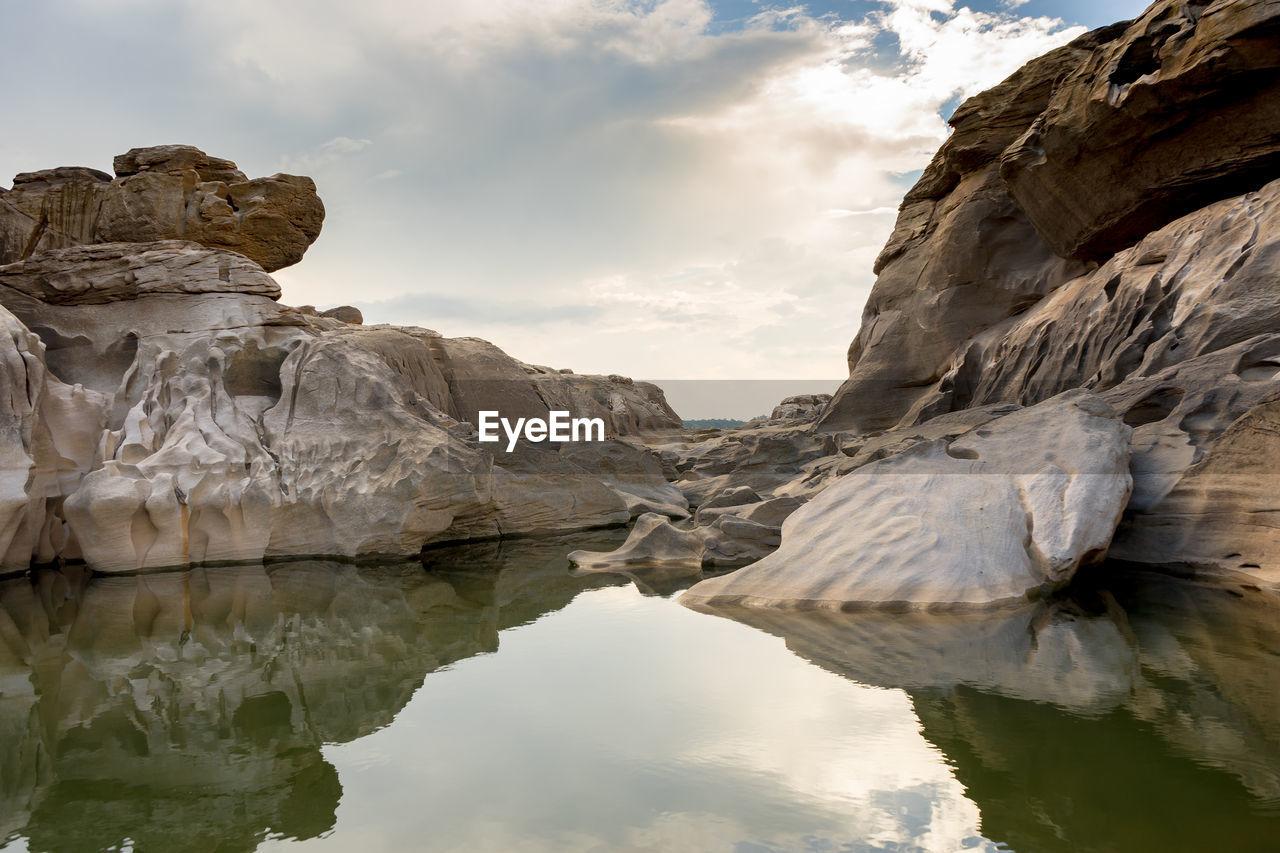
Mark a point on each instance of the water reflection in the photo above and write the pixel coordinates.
(1141, 714)
(186, 711)
(243, 707)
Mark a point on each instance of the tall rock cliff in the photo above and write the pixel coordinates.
(1105, 221)
(1108, 218)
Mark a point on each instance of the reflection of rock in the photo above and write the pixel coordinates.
(1144, 715)
(1051, 652)
(1005, 512)
(1211, 683)
(175, 708)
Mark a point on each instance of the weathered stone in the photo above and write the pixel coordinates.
(346, 314)
(656, 543)
(1178, 111)
(962, 257)
(114, 272)
(163, 193)
(1002, 514)
(207, 422)
(804, 407)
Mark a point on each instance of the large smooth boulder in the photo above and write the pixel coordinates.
(1002, 514)
(162, 193)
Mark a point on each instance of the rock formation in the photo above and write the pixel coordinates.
(1000, 515)
(1106, 219)
(163, 193)
(165, 410)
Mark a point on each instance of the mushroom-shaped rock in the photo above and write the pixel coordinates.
(162, 193)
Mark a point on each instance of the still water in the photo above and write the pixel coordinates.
(493, 701)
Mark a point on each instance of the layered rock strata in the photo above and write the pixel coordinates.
(162, 193)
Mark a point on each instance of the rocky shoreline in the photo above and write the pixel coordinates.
(1071, 352)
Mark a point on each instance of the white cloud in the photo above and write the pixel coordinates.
(325, 153)
(542, 147)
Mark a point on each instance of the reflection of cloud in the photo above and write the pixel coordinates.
(669, 730)
(539, 146)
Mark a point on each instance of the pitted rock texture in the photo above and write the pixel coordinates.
(164, 410)
(803, 407)
(1079, 154)
(171, 192)
(1002, 514)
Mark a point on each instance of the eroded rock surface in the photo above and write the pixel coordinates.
(1079, 154)
(162, 193)
(1114, 156)
(1004, 513)
(165, 410)
(1077, 230)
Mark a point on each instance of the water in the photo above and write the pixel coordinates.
(495, 702)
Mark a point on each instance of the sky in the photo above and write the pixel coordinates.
(691, 189)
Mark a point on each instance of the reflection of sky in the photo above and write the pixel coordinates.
(640, 187)
(624, 722)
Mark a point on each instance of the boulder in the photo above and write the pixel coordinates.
(1003, 514)
(804, 407)
(962, 256)
(346, 314)
(656, 543)
(1081, 153)
(162, 193)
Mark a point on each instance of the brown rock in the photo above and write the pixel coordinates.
(162, 193)
(346, 314)
(114, 272)
(1179, 111)
(962, 256)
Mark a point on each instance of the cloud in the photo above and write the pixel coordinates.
(600, 184)
(322, 155)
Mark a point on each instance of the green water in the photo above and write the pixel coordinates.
(492, 701)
